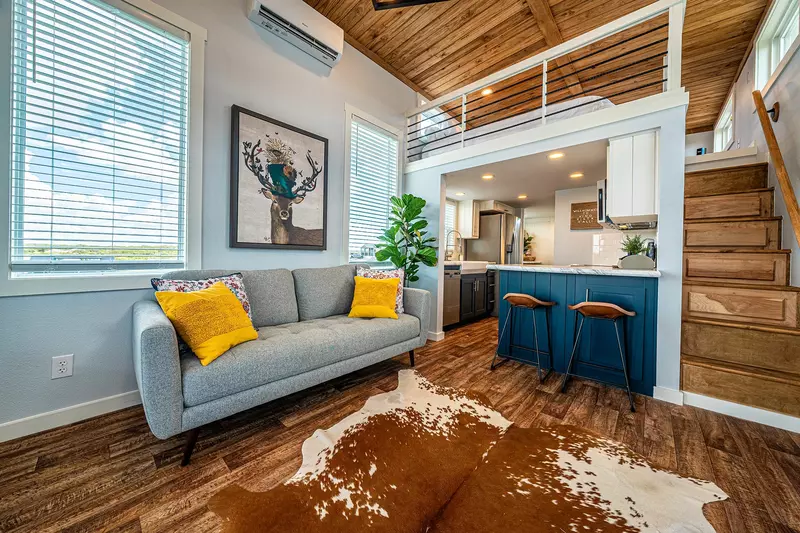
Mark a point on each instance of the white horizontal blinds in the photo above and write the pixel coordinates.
(99, 139)
(373, 180)
(450, 221)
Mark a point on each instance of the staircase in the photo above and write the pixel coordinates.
(741, 318)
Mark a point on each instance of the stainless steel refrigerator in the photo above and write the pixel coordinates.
(499, 241)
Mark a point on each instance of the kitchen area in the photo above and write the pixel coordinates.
(568, 226)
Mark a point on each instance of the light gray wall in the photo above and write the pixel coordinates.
(242, 67)
(704, 139)
(747, 130)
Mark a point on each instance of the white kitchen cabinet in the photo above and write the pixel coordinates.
(632, 178)
(469, 219)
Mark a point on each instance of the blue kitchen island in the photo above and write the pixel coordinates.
(634, 290)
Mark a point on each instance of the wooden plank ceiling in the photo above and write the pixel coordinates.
(440, 47)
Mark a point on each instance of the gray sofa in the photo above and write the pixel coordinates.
(304, 338)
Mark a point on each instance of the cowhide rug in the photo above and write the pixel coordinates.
(428, 458)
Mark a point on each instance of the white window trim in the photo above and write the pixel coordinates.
(763, 50)
(70, 283)
(732, 100)
(351, 111)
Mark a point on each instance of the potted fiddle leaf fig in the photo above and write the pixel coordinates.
(406, 243)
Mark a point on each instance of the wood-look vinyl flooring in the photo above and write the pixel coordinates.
(111, 474)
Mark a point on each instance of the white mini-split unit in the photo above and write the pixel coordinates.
(302, 26)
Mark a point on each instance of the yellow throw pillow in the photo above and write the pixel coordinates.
(211, 321)
(374, 298)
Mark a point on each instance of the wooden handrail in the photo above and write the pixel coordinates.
(780, 168)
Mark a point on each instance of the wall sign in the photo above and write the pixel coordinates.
(584, 216)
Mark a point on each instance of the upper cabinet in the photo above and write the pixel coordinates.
(469, 219)
(632, 178)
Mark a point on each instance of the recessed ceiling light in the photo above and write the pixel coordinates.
(488, 176)
(576, 175)
(556, 155)
(459, 194)
(522, 196)
(486, 92)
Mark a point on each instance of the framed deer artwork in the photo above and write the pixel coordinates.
(279, 184)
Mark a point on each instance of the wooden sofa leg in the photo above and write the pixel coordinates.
(411, 357)
(191, 440)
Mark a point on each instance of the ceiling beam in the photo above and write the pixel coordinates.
(552, 36)
(352, 41)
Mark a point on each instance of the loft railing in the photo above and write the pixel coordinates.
(787, 190)
(630, 58)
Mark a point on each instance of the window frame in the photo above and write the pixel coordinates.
(768, 67)
(350, 112)
(724, 121)
(119, 280)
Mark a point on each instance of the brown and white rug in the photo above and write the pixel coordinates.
(428, 458)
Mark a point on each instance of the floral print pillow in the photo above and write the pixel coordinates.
(233, 281)
(386, 274)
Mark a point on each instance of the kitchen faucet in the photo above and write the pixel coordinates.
(456, 245)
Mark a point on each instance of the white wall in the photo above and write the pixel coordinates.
(242, 67)
(747, 131)
(704, 139)
(539, 222)
(575, 246)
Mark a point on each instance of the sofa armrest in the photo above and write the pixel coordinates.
(158, 368)
(417, 302)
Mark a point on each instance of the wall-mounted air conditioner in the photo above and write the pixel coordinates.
(301, 25)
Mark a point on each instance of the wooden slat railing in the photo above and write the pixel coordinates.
(785, 183)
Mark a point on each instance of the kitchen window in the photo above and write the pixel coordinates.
(372, 156)
(776, 40)
(723, 132)
(102, 156)
(450, 221)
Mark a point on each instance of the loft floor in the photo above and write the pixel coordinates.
(110, 474)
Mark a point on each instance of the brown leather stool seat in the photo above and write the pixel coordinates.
(601, 311)
(525, 301)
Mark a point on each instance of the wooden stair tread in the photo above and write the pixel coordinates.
(731, 219)
(739, 325)
(725, 169)
(748, 191)
(734, 251)
(735, 285)
(772, 375)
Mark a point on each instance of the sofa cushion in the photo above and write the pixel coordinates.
(288, 350)
(324, 292)
(271, 292)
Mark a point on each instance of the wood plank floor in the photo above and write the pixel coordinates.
(110, 474)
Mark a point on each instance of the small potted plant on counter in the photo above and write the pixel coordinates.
(634, 248)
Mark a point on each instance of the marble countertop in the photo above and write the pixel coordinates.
(585, 270)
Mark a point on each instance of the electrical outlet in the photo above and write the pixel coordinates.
(61, 367)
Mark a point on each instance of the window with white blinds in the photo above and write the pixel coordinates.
(450, 218)
(99, 140)
(373, 181)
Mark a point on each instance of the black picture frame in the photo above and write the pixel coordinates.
(238, 157)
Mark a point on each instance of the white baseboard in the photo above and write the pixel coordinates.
(436, 336)
(67, 415)
(762, 416)
(668, 395)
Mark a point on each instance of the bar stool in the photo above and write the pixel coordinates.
(525, 301)
(601, 311)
